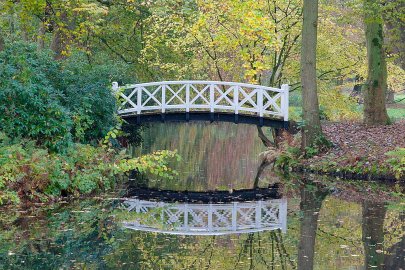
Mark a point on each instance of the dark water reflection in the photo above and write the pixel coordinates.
(214, 156)
(333, 226)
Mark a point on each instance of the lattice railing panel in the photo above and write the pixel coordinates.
(211, 96)
(207, 219)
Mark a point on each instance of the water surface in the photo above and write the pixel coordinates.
(338, 225)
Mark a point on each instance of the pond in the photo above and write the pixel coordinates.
(249, 218)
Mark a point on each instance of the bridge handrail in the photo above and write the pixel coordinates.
(248, 98)
(128, 86)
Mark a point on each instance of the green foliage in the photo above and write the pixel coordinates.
(396, 114)
(55, 103)
(30, 105)
(321, 144)
(87, 95)
(397, 161)
(36, 174)
(155, 163)
(288, 159)
(336, 106)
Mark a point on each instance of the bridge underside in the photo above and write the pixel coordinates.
(205, 116)
(241, 195)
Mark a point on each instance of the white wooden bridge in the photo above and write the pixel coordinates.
(203, 96)
(207, 219)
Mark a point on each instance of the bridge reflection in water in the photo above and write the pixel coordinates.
(208, 218)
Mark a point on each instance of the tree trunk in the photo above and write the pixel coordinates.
(41, 36)
(58, 44)
(375, 111)
(373, 234)
(60, 39)
(266, 141)
(311, 202)
(1, 42)
(310, 105)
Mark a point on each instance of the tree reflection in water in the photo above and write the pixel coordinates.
(344, 229)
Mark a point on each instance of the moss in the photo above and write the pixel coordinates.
(376, 42)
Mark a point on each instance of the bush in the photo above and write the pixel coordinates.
(30, 106)
(87, 91)
(55, 103)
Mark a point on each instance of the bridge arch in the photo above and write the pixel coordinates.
(200, 98)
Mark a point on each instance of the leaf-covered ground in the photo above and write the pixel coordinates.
(358, 148)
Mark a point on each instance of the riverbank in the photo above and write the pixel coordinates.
(31, 173)
(360, 152)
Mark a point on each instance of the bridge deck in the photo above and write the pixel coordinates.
(205, 116)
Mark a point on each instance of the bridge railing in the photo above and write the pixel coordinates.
(212, 96)
(206, 219)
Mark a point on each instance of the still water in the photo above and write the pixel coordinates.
(317, 224)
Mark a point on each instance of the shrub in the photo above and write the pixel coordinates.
(87, 92)
(30, 106)
(55, 103)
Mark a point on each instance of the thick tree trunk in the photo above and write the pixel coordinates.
(311, 202)
(375, 111)
(373, 234)
(310, 105)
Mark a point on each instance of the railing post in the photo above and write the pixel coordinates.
(282, 215)
(236, 99)
(260, 101)
(187, 97)
(210, 217)
(234, 215)
(163, 102)
(258, 217)
(186, 217)
(284, 101)
(139, 100)
(212, 101)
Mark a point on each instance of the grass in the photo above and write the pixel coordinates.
(395, 111)
(396, 114)
(400, 97)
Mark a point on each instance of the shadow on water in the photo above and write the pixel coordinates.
(328, 224)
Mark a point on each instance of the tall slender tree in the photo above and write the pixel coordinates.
(310, 104)
(1, 42)
(375, 111)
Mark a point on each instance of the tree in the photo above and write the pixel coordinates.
(375, 111)
(1, 42)
(247, 40)
(310, 105)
